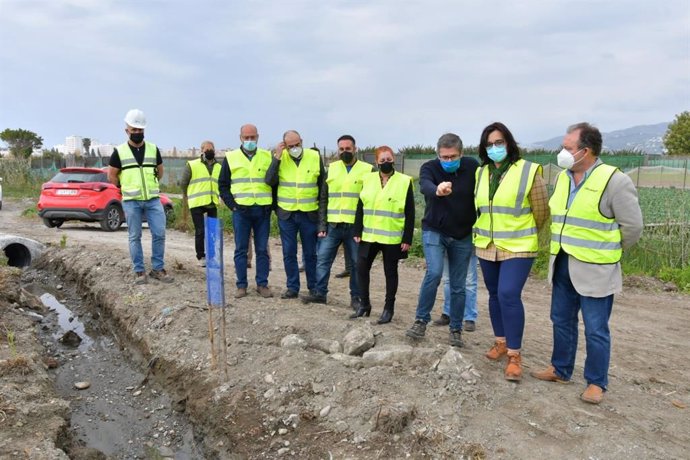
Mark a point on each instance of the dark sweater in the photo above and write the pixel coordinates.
(455, 214)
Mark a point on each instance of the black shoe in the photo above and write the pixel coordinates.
(386, 317)
(313, 297)
(417, 330)
(455, 338)
(289, 294)
(355, 303)
(470, 326)
(343, 274)
(363, 310)
(444, 320)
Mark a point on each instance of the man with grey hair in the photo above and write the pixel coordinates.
(447, 184)
(595, 215)
(298, 174)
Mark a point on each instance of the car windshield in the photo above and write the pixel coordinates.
(79, 177)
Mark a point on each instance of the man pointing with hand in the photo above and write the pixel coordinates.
(447, 184)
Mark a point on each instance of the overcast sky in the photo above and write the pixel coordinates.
(390, 72)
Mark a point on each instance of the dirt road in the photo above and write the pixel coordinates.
(284, 399)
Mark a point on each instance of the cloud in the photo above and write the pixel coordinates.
(399, 72)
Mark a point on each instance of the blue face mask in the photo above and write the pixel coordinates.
(497, 153)
(450, 166)
(249, 146)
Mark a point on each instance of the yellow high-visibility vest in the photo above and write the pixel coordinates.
(343, 190)
(138, 182)
(247, 177)
(203, 187)
(384, 208)
(298, 189)
(581, 230)
(507, 220)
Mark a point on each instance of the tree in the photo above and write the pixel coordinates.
(677, 137)
(86, 142)
(21, 141)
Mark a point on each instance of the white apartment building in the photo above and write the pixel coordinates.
(102, 150)
(73, 144)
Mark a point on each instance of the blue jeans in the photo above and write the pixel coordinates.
(436, 247)
(135, 210)
(298, 222)
(327, 250)
(470, 289)
(504, 280)
(244, 221)
(596, 311)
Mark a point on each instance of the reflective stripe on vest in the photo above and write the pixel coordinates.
(384, 208)
(581, 230)
(138, 182)
(343, 190)
(507, 220)
(203, 188)
(297, 185)
(248, 186)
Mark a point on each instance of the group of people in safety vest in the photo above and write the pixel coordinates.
(493, 208)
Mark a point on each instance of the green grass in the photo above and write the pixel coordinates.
(663, 205)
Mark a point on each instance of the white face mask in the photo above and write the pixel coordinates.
(566, 160)
(295, 152)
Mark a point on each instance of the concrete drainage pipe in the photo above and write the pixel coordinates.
(20, 252)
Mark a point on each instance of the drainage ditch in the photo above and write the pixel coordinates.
(115, 408)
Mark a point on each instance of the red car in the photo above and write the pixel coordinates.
(85, 194)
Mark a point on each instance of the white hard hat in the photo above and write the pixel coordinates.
(136, 119)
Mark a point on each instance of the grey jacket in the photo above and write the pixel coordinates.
(620, 201)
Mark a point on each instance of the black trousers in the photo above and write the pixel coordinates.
(199, 231)
(391, 255)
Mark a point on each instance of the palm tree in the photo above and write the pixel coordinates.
(86, 142)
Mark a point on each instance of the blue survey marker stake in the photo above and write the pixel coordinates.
(215, 281)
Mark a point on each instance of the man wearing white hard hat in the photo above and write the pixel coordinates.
(137, 167)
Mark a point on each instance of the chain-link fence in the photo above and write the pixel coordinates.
(645, 171)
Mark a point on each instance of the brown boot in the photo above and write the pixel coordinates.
(514, 368)
(497, 351)
(548, 375)
(594, 394)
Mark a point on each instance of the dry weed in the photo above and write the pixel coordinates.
(19, 365)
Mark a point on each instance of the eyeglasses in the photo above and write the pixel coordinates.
(449, 158)
(498, 143)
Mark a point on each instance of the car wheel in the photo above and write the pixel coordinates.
(113, 218)
(169, 215)
(52, 223)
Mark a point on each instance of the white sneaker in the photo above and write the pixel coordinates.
(202, 262)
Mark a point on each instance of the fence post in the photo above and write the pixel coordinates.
(685, 174)
(639, 170)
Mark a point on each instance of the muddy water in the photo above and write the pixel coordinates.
(121, 413)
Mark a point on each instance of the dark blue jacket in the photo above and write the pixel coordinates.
(455, 214)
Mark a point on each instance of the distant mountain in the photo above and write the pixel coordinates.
(644, 139)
